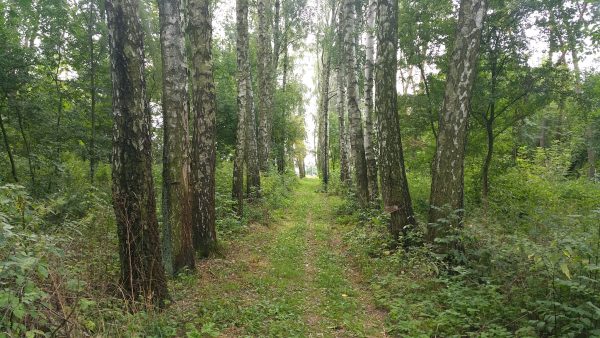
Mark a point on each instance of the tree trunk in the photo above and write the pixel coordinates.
(277, 35)
(92, 62)
(59, 113)
(344, 129)
(485, 172)
(447, 187)
(13, 169)
(301, 167)
(246, 103)
(370, 144)
(265, 74)
(253, 167)
(142, 271)
(356, 138)
(394, 186)
(242, 98)
(281, 147)
(178, 251)
(323, 120)
(27, 146)
(344, 166)
(204, 132)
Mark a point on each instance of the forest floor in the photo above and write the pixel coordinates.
(290, 278)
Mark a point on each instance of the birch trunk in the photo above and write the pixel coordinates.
(242, 91)
(204, 133)
(323, 120)
(354, 114)
(253, 168)
(447, 187)
(341, 108)
(142, 272)
(92, 62)
(394, 186)
(246, 129)
(177, 209)
(265, 74)
(341, 105)
(369, 132)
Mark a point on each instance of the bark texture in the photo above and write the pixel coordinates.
(447, 187)
(394, 186)
(177, 209)
(354, 114)
(92, 64)
(13, 168)
(142, 272)
(323, 120)
(242, 98)
(265, 87)
(204, 132)
(370, 144)
(252, 160)
(341, 104)
(341, 109)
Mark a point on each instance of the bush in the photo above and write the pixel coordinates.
(528, 266)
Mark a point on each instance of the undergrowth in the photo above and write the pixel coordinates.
(59, 259)
(530, 266)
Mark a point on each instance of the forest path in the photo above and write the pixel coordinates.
(292, 278)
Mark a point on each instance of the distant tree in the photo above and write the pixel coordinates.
(341, 102)
(323, 120)
(142, 271)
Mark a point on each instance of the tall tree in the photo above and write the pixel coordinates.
(252, 159)
(204, 134)
(341, 102)
(323, 118)
(370, 155)
(177, 207)
(341, 110)
(354, 114)
(142, 271)
(243, 74)
(92, 64)
(394, 186)
(265, 72)
(447, 186)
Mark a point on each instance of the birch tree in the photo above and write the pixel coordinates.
(177, 216)
(370, 155)
(447, 186)
(394, 186)
(265, 72)
(323, 119)
(204, 132)
(242, 91)
(142, 272)
(354, 114)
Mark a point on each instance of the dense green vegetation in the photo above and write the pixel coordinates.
(152, 170)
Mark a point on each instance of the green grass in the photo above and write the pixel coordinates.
(288, 279)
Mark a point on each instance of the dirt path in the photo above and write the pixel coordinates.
(291, 279)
